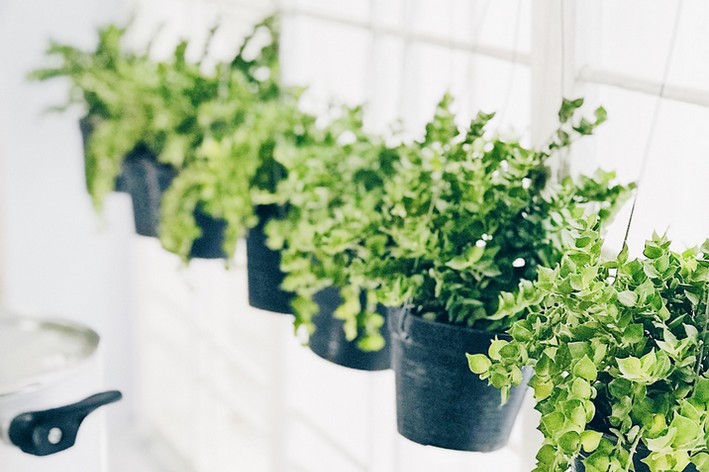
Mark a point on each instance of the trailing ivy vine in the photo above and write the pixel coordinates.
(334, 195)
(617, 347)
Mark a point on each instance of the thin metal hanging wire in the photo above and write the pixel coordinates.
(475, 38)
(451, 43)
(407, 15)
(372, 69)
(564, 166)
(513, 63)
(655, 116)
(436, 197)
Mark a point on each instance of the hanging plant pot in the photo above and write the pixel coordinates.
(329, 341)
(264, 267)
(210, 245)
(439, 402)
(145, 180)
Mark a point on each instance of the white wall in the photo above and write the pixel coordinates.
(58, 258)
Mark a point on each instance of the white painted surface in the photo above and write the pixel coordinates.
(58, 258)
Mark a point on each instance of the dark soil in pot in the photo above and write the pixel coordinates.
(264, 268)
(440, 402)
(329, 341)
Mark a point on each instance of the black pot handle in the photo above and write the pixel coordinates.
(41, 433)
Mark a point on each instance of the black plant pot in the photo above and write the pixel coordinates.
(440, 402)
(146, 180)
(264, 267)
(329, 341)
(641, 453)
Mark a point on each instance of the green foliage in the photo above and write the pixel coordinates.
(217, 127)
(333, 193)
(439, 223)
(617, 346)
(469, 214)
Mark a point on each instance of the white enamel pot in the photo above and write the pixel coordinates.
(50, 384)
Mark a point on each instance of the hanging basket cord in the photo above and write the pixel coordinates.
(513, 63)
(655, 116)
(409, 305)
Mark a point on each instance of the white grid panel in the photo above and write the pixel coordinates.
(622, 49)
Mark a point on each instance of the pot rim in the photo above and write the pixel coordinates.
(405, 311)
(38, 381)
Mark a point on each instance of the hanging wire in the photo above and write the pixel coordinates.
(370, 80)
(513, 64)
(436, 196)
(655, 116)
(408, 9)
(563, 169)
(562, 45)
(451, 42)
(475, 38)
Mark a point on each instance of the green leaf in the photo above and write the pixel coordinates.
(478, 363)
(586, 369)
(701, 390)
(701, 461)
(590, 440)
(495, 346)
(627, 298)
(631, 369)
(634, 333)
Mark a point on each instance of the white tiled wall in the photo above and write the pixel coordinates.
(228, 387)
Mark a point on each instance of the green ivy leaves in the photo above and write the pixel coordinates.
(624, 347)
(470, 214)
(334, 192)
(217, 126)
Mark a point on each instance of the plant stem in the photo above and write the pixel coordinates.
(700, 359)
(632, 450)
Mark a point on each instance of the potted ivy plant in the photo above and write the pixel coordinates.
(469, 215)
(236, 169)
(173, 131)
(618, 351)
(333, 190)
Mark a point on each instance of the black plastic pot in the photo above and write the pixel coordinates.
(641, 453)
(146, 180)
(440, 402)
(329, 341)
(264, 268)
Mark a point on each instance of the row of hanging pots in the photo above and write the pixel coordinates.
(439, 402)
